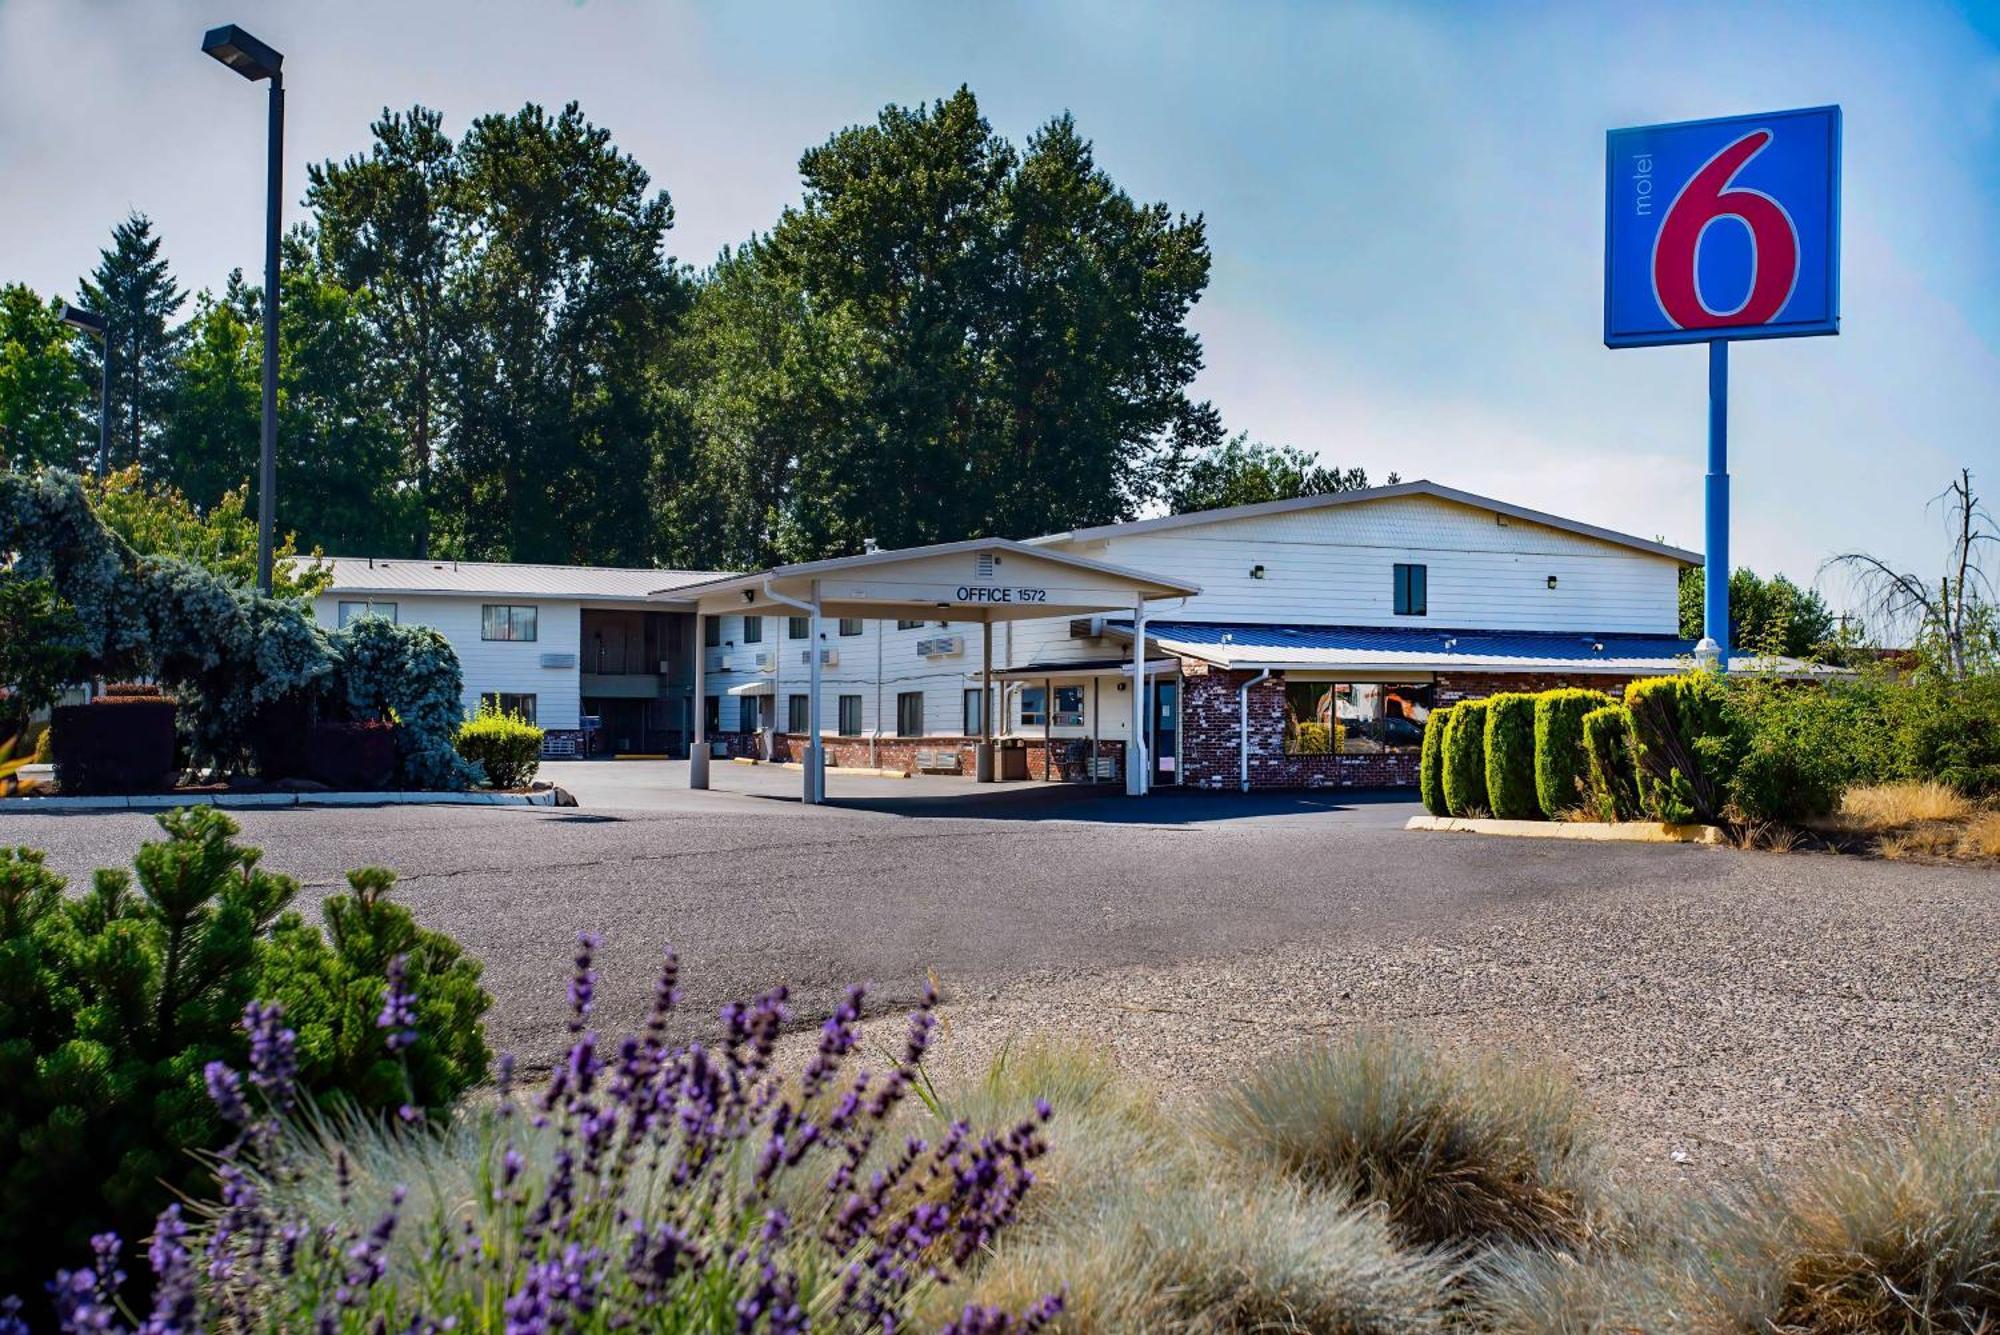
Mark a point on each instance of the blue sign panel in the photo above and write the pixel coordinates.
(1723, 229)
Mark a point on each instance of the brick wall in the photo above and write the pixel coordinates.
(900, 753)
(1210, 758)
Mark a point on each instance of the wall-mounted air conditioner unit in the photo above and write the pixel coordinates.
(827, 657)
(558, 660)
(1086, 628)
(941, 646)
(767, 662)
(722, 664)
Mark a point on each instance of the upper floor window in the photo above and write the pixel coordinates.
(1412, 595)
(349, 611)
(907, 625)
(501, 621)
(753, 630)
(797, 628)
(711, 632)
(850, 625)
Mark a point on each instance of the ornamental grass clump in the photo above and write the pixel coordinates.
(1460, 1153)
(1146, 1228)
(648, 1184)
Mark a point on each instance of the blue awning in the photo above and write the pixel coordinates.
(1378, 649)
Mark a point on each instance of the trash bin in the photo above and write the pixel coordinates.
(1012, 757)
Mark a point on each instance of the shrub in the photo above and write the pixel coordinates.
(1510, 757)
(1949, 731)
(118, 744)
(1147, 1229)
(1430, 773)
(1613, 781)
(1685, 745)
(113, 1003)
(357, 756)
(505, 746)
(1561, 766)
(1456, 1152)
(331, 990)
(1802, 746)
(1464, 776)
(1312, 738)
(671, 1187)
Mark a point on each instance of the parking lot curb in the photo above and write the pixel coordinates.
(28, 806)
(1628, 832)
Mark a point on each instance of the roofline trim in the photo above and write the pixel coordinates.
(1328, 500)
(840, 564)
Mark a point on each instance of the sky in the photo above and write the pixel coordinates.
(1405, 203)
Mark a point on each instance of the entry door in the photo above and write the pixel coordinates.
(1163, 727)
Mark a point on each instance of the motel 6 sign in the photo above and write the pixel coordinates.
(1723, 229)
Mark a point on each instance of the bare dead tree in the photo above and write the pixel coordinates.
(1957, 613)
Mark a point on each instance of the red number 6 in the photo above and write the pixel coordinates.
(1774, 258)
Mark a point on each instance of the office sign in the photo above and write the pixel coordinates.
(1723, 229)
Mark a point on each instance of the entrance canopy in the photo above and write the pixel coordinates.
(984, 579)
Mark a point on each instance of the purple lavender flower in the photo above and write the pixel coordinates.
(174, 1298)
(10, 1317)
(274, 1058)
(583, 984)
(225, 1091)
(399, 1006)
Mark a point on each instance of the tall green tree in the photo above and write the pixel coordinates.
(567, 299)
(133, 289)
(46, 405)
(387, 225)
(1240, 471)
(1766, 616)
(213, 421)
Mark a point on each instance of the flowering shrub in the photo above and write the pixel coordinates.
(506, 746)
(225, 651)
(113, 1003)
(665, 1185)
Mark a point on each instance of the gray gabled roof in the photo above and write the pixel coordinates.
(1165, 586)
(376, 575)
(1421, 487)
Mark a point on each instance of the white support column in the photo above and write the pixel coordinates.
(814, 790)
(698, 708)
(1136, 760)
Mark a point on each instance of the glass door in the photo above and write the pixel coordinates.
(1163, 729)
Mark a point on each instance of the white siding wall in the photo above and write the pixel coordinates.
(494, 665)
(942, 680)
(1335, 567)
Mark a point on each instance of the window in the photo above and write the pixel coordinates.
(1069, 706)
(1411, 593)
(753, 630)
(850, 625)
(711, 716)
(975, 712)
(910, 714)
(1034, 706)
(850, 716)
(711, 632)
(506, 702)
(749, 708)
(796, 628)
(907, 625)
(499, 621)
(798, 714)
(1354, 718)
(349, 611)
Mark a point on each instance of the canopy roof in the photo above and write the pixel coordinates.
(983, 579)
(1378, 649)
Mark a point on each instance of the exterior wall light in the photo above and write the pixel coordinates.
(1256, 572)
(1552, 581)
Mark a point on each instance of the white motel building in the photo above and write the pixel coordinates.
(1294, 644)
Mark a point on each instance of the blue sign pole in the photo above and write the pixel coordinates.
(1715, 565)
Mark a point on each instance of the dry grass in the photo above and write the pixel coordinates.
(1917, 820)
(1461, 1152)
(1882, 807)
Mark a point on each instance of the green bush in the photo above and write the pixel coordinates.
(331, 990)
(1430, 773)
(1464, 777)
(1456, 1152)
(506, 746)
(112, 1004)
(1510, 757)
(1685, 743)
(1803, 745)
(1949, 731)
(1612, 779)
(1561, 767)
(1312, 739)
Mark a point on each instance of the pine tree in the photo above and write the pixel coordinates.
(134, 290)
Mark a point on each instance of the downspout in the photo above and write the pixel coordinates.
(1243, 728)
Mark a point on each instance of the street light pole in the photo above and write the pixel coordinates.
(94, 325)
(254, 60)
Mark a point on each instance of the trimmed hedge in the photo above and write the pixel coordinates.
(505, 746)
(1612, 781)
(1465, 760)
(1430, 770)
(1685, 745)
(1561, 767)
(1510, 757)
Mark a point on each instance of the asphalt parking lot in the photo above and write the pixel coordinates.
(1739, 1003)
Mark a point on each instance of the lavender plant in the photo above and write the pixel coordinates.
(646, 1184)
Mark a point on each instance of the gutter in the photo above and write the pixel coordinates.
(1243, 727)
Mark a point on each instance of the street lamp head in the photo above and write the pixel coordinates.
(242, 52)
(88, 321)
